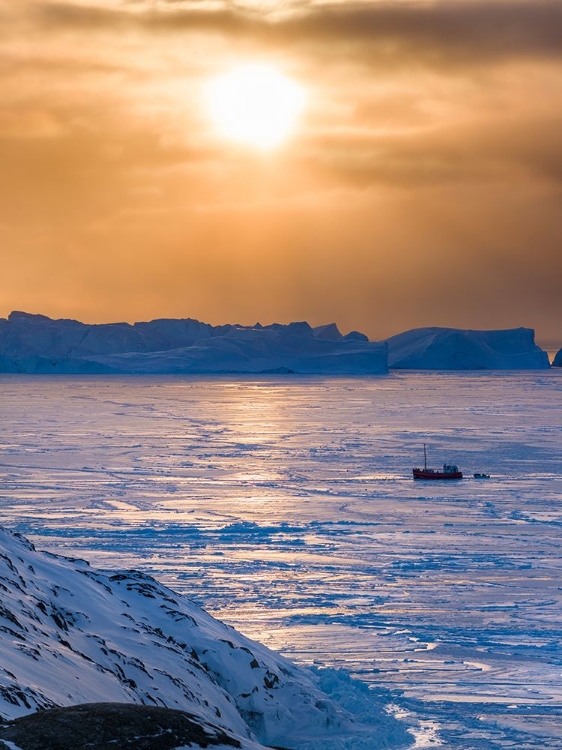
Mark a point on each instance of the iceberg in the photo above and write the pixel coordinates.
(455, 349)
(557, 362)
(38, 344)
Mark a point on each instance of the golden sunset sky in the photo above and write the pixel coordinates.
(421, 185)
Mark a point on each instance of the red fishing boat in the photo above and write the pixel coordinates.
(450, 471)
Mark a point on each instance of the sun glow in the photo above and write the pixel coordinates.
(255, 104)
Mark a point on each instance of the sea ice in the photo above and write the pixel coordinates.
(286, 508)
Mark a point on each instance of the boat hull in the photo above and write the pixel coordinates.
(429, 475)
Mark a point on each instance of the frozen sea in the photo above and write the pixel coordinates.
(285, 506)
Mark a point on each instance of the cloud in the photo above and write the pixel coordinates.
(521, 148)
(458, 32)
(432, 141)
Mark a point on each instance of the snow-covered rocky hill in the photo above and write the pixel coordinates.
(70, 635)
(37, 344)
(455, 349)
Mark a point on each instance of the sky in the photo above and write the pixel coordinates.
(421, 185)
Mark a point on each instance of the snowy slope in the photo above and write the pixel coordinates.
(37, 344)
(454, 349)
(70, 634)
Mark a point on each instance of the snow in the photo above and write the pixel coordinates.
(37, 344)
(70, 634)
(454, 349)
(286, 508)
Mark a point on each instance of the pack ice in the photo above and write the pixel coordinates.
(38, 344)
(455, 349)
(70, 635)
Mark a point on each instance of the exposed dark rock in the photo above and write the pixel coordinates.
(112, 726)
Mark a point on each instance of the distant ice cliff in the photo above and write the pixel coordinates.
(454, 349)
(38, 344)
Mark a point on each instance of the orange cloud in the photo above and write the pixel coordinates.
(431, 142)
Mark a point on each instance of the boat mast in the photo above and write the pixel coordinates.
(424, 457)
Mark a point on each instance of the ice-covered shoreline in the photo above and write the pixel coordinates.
(71, 634)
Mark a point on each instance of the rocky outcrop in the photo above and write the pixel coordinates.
(115, 726)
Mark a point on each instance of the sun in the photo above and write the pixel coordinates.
(254, 104)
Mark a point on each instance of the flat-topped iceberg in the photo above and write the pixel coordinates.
(38, 344)
(455, 349)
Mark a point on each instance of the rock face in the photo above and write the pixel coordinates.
(114, 726)
(37, 344)
(72, 635)
(454, 349)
